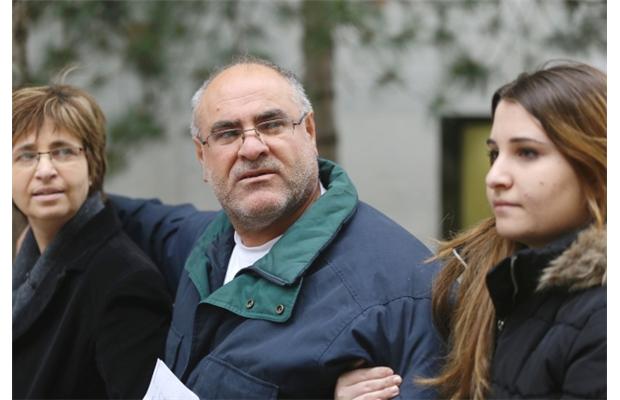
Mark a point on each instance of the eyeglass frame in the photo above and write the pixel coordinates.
(79, 150)
(205, 141)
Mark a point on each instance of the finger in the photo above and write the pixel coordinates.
(384, 394)
(375, 385)
(364, 374)
(363, 388)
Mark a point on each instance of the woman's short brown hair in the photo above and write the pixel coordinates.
(68, 108)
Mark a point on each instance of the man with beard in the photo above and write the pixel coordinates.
(296, 281)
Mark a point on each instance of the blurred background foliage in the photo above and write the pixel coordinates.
(149, 39)
(143, 36)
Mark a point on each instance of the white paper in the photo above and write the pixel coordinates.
(166, 386)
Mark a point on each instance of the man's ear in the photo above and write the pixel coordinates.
(198, 149)
(311, 129)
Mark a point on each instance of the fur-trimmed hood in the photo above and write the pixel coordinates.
(581, 266)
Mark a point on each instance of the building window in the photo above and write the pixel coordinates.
(464, 167)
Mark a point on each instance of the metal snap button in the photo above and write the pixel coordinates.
(279, 309)
(249, 304)
(500, 325)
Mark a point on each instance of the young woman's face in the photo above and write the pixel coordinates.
(532, 189)
(51, 190)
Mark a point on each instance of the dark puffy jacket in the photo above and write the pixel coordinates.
(343, 284)
(551, 306)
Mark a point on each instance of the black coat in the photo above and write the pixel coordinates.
(101, 331)
(551, 307)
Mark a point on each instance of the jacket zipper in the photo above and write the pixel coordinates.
(513, 258)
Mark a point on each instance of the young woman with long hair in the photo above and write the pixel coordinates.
(521, 300)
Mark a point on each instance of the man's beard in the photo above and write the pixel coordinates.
(297, 189)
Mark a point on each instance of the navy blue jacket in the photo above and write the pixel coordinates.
(344, 283)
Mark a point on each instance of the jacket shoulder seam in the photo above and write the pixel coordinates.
(344, 282)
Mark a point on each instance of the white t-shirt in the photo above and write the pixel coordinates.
(243, 256)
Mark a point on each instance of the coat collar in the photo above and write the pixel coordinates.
(72, 257)
(583, 265)
(575, 261)
(268, 289)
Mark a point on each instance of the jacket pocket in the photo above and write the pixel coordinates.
(216, 379)
(173, 343)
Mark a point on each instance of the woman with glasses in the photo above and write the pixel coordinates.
(90, 311)
(521, 300)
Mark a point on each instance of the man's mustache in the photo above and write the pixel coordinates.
(247, 167)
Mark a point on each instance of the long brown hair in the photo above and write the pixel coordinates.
(570, 101)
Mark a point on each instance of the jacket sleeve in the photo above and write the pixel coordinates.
(586, 375)
(399, 334)
(165, 233)
(132, 324)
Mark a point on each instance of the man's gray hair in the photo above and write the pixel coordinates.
(298, 90)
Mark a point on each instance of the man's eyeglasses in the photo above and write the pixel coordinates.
(263, 130)
(59, 156)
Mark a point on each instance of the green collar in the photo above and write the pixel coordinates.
(271, 291)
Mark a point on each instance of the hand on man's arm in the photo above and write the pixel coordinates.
(378, 383)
